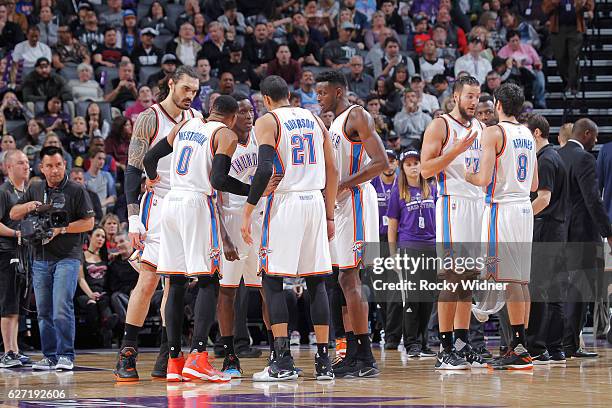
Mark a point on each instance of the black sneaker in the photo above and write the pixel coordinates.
(125, 370)
(323, 368)
(282, 369)
(391, 345)
(161, 363)
(482, 350)
(10, 359)
(582, 353)
(414, 351)
(517, 359)
(231, 366)
(449, 360)
(541, 359)
(427, 352)
(470, 355)
(358, 368)
(557, 358)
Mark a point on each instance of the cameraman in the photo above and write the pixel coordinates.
(18, 169)
(56, 263)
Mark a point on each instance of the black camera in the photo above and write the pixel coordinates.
(39, 224)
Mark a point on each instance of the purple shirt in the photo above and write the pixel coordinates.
(383, 192)
(408, 214)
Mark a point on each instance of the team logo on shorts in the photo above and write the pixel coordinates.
(263, 252)
(214, 253)
(358, 246)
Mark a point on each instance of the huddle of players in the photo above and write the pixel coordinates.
(296, 170)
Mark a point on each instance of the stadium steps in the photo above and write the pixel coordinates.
(595, 97)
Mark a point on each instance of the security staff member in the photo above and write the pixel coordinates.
(18, 169)
(56, 264)
(545, 331)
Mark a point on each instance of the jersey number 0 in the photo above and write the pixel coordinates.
(183, 162)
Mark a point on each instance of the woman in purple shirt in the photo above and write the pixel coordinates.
(412, 228)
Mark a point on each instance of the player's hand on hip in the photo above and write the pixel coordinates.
(245, 230)
(136, 240)
(331, 229)
(150, 184)
(136, 232)
(229, 249)
(273, 183)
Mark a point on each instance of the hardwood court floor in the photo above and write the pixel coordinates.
(403, 383)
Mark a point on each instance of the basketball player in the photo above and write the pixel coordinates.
(298, 221)
(200, 151)
(450, 143)
(360, 156)
(151, 126)
(509, 171)
(244, 164)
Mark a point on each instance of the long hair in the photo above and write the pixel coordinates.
(117, 132)
(164, 86)
(404, 188)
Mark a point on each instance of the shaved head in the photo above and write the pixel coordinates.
(585, 131)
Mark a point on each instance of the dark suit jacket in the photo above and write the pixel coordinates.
(587, 219)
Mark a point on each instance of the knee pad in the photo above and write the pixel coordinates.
(319, 304)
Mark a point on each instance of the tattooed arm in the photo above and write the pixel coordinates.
(145, 129)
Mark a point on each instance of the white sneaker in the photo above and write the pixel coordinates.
(64, 363)
(312, 339)
(295, 338)
(262, 376)
(44, 364)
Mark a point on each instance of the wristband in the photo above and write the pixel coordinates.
(135, 225)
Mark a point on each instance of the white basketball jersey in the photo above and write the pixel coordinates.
(514, 166)
(299, 150)
(192, 156)
(451, 180)
(244, 164)
(350, 156)
(165, 123)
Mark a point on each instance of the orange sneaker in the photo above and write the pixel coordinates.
(175, 368)
(341, 347)
(197, 367)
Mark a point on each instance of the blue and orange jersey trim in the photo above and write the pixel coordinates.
(147, 203)
(356, 154)
(447, 233)
(215, 266)
(265, 236)
(492, 244)
(358, 224)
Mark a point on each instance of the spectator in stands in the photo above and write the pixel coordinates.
(566, 26)
(16, 17)
(199, 24)
(337, 53)
(48, 29)
(512, 22)
(259, 50)
(122, 277)
(485, 111)
(427, 102)
(96, 125)
(394, 20)
(184, 46)
(30, 51)
(93, 298)
(12, 109)
(295, 100)
(308, 96)
(111, 225)
(144, 101)
(118, 141)
(446, 52)
(77, 142)
(226, 83)
(357, 17)
(473, 62)
(239, 67)
(128, 33)
(156, 18)
(10, 33)
(379, 25)
(77, 175)
(76, 24)
(169, 62)
(35, 135)
(215, 49)
(492, 82)
(146, 54)
(390, 98)
(383, 123)
(421, 34)
(303, 49)
(315, 19)
(54, 117)
(455, 36)
(400, 78)
(482, 34)
(525, 56)
(207, 83)
(427, 8)
(192, 7)
(68, 50)
(375, 54)
(7, 143)
(393, 57)
(345, 15)
(91, 34)
(232, 17)
(285, 66)
(410, 123)
(488, 20)
(565, 132)
(358, 81)
(108, 54)
(101, 181)
(124, 87)
(430, 64)
(299, 21)
(52, 140)
(112, 15)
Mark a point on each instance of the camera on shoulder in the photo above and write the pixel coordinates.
(39, 224)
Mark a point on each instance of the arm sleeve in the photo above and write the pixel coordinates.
(393, 211)
(133, 176)
(263, 174)
(587, 180)
(220, 179)
(152, 157)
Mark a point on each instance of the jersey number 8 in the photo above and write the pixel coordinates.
(521, 167)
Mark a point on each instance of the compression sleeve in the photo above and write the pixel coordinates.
(161, 149)
(133, 175)
(220, 180)
(263, 174)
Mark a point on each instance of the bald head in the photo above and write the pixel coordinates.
(13, 156)
(585, 131)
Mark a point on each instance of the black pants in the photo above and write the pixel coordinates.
(119, 304)
(548, 275)
(10, 286)
(95, 313)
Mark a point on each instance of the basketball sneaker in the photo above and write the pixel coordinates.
(482, 350)
(231, 366)
(280, 369)
(10, 359)
(323, 368)
(450, 360)
(197, 367)
(557, 358)
(413, 351)
(470, 355)
(175, 369)
(515, 359)
(357, 368)
(125, 371)
(161, 363)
